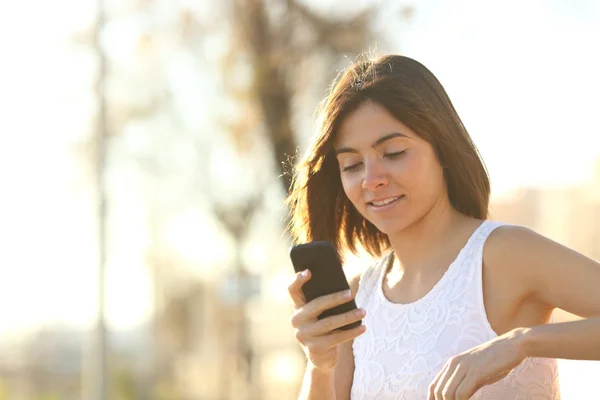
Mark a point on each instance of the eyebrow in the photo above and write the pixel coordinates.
(379, 141)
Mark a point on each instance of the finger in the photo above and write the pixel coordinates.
(322, 344)
(475, 381)
(308, 313)
(442, 378)
(323, 303)
(295, 288)
(434, 384)
(450, 387)
(329, 324)
(338, 337)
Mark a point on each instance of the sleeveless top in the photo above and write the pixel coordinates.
(406, 345)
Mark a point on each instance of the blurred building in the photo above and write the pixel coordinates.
(568, 215)
(47, 362)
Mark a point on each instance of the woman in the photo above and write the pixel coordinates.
(457, 307)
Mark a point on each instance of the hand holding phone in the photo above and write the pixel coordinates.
(327, 276)
(325, 312)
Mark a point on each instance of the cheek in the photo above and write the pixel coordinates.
(424, 177)
(432, 181)
(353, 188)
(411, 173)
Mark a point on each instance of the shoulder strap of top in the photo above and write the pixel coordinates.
(480, 235)
(487, 228)
(469, 259)
(476, 263)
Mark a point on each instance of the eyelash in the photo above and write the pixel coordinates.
(392, 156)
(351, 168)
(395, 155)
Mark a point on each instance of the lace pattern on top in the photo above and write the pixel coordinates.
(406, 345)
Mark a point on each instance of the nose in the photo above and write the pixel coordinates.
(375, 176)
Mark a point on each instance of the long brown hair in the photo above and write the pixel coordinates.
(319, 208)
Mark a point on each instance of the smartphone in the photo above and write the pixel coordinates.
(327, 275)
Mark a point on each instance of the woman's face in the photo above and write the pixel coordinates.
(388, 172)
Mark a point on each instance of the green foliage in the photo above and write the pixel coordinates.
(124, 385)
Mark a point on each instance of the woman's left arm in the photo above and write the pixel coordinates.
(560, 278)
(556, 277)
(577, 340)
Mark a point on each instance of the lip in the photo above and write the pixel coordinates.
(398, 198)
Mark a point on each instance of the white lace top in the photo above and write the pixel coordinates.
(406, 345)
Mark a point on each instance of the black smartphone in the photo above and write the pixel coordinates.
(327, 275)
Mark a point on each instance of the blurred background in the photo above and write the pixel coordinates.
(143, 145)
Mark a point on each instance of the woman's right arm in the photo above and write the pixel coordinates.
(330, 364)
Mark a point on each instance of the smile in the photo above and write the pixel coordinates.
(384, 202)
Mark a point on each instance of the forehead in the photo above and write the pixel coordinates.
(366, 124)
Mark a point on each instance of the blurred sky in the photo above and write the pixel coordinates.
(523, 76)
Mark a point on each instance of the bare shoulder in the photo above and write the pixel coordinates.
(556, 275)
(504, 233)
(508, 248)
(511, 255)
(511, 242)
(512, 246)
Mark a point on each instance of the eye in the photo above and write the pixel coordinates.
(352, 167)
(395, 155)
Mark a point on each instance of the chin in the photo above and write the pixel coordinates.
(390, 227)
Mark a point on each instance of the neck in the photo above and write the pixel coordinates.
(422, 242)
